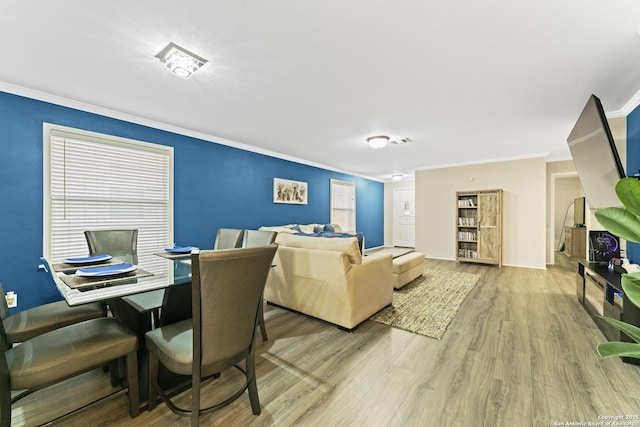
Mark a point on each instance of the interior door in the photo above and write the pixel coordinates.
(404, 217)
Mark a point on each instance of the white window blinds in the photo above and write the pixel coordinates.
(343, 205)
(100, 182)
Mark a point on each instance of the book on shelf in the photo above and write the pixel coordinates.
(466, 203)
(467, 235)
(467, 221)
(468, 253)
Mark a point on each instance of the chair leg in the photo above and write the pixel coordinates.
(195, 399)
(252, 386)
(153, 379)
(132, 380)
(5, 405)
(115, 372)
(263, 329)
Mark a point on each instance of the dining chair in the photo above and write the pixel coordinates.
(226, 289)
(253, 238)
(227, 238)
(121, 244)
(173, 308)
(29, 323)
(64, 353)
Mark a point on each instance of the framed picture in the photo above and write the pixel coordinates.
(287, 191)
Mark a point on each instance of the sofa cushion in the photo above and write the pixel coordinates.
(278, 229)
(348, 245)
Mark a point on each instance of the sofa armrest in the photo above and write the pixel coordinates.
(371, 285)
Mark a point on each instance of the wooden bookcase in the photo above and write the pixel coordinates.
(479, 226)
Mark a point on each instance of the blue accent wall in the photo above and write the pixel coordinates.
(214, 186)
(633, 167)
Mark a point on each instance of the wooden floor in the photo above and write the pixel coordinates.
(521, 352)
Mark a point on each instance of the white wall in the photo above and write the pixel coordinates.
(524, 208)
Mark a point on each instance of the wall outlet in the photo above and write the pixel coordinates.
(12, 299)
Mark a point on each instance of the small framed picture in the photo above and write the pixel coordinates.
(291, 192)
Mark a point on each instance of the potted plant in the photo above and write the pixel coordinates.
(624, 223)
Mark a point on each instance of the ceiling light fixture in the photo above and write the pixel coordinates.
(378, 141)
(180, 61)
(396, 176)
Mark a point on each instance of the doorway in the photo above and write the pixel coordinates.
(565, 187)
(404, 217)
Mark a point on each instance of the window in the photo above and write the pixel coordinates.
(343, 205)
(98, 182)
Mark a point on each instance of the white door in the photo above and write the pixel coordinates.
(404, 217)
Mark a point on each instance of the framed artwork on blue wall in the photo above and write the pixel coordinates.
(291, 192)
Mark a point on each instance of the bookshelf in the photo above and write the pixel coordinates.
(479, 226)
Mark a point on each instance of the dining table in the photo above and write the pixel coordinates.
(159, 283)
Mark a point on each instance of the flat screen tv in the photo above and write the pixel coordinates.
(595, 156)
(578, 212)
(603, 246)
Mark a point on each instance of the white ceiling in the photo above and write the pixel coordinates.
(468, 81)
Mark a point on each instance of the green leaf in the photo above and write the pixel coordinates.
(628, 191)
(632, 331)
(620, 222)
(622, 349)
(631, 287)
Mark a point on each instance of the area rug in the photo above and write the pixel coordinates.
(427, 305)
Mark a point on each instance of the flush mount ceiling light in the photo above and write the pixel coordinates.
(378, 141)
(396, 176)
(180, 61)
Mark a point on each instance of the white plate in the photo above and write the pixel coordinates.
(110, 270)
(87, 259)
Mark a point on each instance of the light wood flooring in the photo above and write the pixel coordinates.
(521, 352)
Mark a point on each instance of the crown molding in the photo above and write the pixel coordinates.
(486, 161)
(627, 108)
(90, 108)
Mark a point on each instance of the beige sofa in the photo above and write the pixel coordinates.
(328, 278)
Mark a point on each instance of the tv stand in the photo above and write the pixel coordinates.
(599, 290)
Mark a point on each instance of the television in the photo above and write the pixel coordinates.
(578, 212)
(603, 246)
(595, 156)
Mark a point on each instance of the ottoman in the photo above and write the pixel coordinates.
(406, 268)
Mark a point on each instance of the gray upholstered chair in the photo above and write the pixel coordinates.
(253, 238)
(35, 321)
(64, 353)
(250, 239)
(227, 287)
(121, 244)
(227, 238)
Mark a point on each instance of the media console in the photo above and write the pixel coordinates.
(599, 290)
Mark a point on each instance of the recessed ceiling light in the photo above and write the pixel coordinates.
(180, 61)
(396, 176)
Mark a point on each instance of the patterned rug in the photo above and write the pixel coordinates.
(427, 305)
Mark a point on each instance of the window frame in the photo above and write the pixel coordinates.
(351, 210)
(53, 130)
